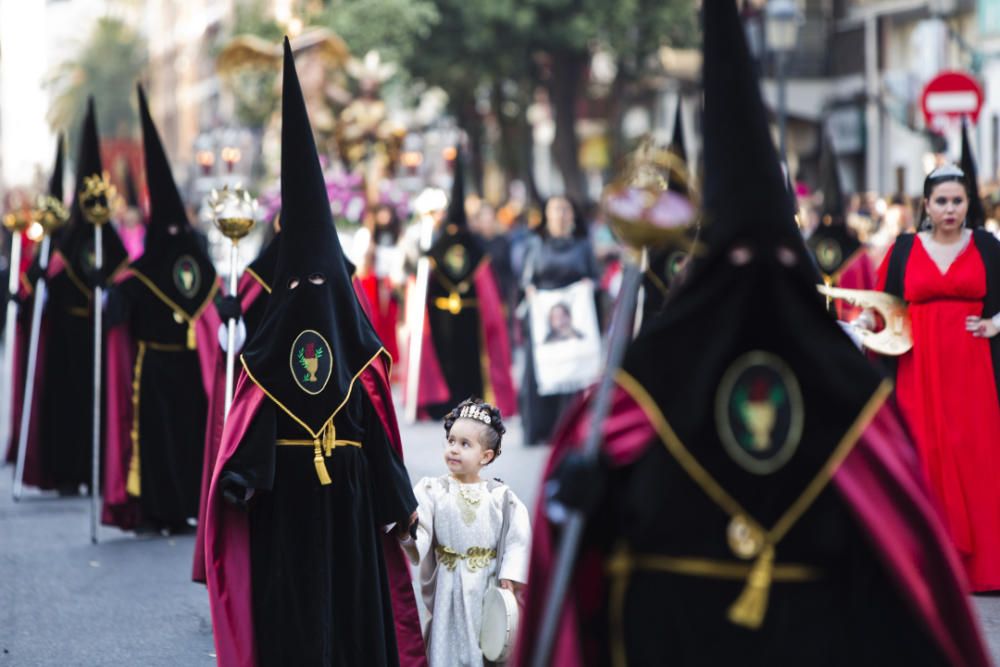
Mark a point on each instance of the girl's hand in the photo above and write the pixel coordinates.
(980, 327)
(403, 532)
(515, 588)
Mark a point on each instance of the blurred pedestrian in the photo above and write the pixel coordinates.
(560, 256)
(466, 350)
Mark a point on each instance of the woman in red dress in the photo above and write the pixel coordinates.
(946, 386)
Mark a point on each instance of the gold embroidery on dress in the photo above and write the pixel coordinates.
(476, 558)
(468, 503)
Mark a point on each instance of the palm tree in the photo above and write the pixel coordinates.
(107, 66)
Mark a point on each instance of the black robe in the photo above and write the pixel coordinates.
(320, 588)
(456, 336)
(66, 401)
(171, 405)
(850, 615)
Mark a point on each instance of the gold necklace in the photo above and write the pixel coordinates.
(468, 503)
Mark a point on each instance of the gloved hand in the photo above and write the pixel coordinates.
(94, 277)
(577, 483)
(228, 308)
(240, 338)
(235, 489)
(33, 273)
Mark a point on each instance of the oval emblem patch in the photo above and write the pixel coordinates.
(88, 257)
(828, 255)
(456, 260)
(311, 362)
(187, 276)
(759, 412)
(675, 262)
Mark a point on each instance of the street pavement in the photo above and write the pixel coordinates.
(129, 599)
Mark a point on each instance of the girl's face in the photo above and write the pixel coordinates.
(464, 451)
(947, 206)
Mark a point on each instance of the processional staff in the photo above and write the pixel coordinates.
(16, 222)
(96, 200)
(235, 214)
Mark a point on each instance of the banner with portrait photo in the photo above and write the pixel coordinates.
(566, 339)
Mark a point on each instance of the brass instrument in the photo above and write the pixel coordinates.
(896, 338)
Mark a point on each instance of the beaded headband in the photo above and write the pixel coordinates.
(946, 171)
(476, 412)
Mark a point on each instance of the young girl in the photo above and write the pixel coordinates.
(458, 542)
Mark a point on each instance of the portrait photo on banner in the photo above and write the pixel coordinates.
(566, 340)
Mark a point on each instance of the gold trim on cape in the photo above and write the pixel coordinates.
(749, 609)
(133, 485)
(253, 274)
(192, 339)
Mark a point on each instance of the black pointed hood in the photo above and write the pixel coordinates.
(56, 180)
(976, 216)
(263, 268)
(76, 243)
(314, 339)
(667, 262)
(173, 258)
(457, 252)
(833, 244)
(756, 381)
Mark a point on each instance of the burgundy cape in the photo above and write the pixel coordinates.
(433, 389)
(120, 509)
(34, 470)
(248, 289)
(880, 483)
(227, 541)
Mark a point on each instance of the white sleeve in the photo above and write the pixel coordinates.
(417, 550)
(996, 320)
(517, 550)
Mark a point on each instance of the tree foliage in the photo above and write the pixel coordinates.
(106, 66)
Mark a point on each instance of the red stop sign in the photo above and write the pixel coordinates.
(951, 95)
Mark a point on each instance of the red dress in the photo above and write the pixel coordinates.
(384, 312)
(947, 390)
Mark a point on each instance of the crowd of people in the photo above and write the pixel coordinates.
(765, 492)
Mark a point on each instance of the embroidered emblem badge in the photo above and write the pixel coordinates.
(187, 276)
(456, 261)
(675, 262)
(88, 257)
(759, 412)
(311, 362)
(828, 255)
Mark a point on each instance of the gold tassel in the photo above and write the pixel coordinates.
(329, 438)
(192, 341)
(749, 609)
(321, 471)
(133, 484)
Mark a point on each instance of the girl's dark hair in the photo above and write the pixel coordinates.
(945, 174)
(493, 433)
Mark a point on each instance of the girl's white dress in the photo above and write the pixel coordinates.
(456, 546)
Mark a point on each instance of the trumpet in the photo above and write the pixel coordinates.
(896, 338)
